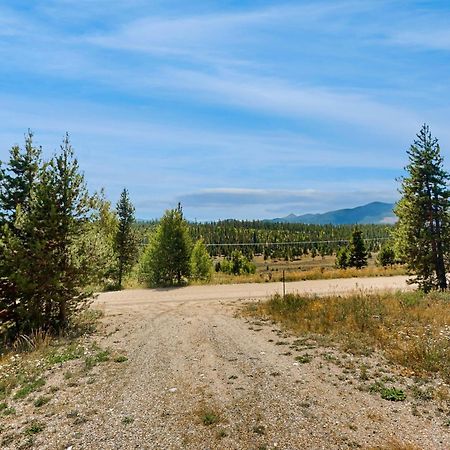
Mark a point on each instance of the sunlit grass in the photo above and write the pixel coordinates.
(411, 329)
(318, 273)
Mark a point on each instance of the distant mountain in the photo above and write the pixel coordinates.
(375, 212)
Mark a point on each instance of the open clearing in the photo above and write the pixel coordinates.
(199, 377)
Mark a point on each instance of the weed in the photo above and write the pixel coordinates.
(120, 359)
(393, 394)
(422, 394)
(9, 411)
(222, 433)
(72, 351)
(259, 429)
(363, 375)
(127, 420)
(99, 357)
(37, 340)
(304, 359)
(41, 401)
(34, 428)
(209, 417)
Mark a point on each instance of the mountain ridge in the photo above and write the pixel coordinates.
(371, 213)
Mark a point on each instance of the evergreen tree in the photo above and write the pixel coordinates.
(49, 265)
(99, 236)
(201, 263)
(386, 256)
(125, 239)
(342, 258)
(357, 253)
(422, 232)
(18, 178)
(165, 262)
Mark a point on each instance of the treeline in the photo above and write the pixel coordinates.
(270, 239)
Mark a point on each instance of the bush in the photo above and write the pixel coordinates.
(237, 264)
(200, 262)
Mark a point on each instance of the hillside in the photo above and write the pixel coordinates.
(372, 213)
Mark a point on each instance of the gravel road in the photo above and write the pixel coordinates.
(191, 361)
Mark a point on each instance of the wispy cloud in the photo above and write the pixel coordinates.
(288, 104)
(430, 38)
(299, 101)
(281, 202)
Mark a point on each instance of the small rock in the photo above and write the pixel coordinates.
(173, 389)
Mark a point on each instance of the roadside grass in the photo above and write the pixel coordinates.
(410, 328)
(24, 363)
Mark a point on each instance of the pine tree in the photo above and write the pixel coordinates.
(422, 232)
(342, 257)
(51, 263)
(18, 178)
(125, 238)
(201, 263)
(357, 253)
(386, 256)
(55, 227)
(165, 262)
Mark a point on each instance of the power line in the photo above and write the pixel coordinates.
(243, 244)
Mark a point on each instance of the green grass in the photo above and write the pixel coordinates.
(34, 428)
(69, 353)
(29, 387)
(97, 358)
(393, 394)
(41, 401)
(304, 359)
(209, 417)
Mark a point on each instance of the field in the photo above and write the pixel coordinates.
(304, 268)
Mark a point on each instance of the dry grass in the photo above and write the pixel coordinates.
(318, 273)
(24, 362)
(411, 329)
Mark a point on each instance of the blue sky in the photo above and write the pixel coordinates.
(245, 109)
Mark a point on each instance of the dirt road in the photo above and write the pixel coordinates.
(136, 298)
(197, 377)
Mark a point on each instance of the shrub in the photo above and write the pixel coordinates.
(200, 262)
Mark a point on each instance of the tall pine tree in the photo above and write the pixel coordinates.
(125, 239)
(423, 230)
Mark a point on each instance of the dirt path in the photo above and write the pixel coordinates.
(191, 362)
(132, 299)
